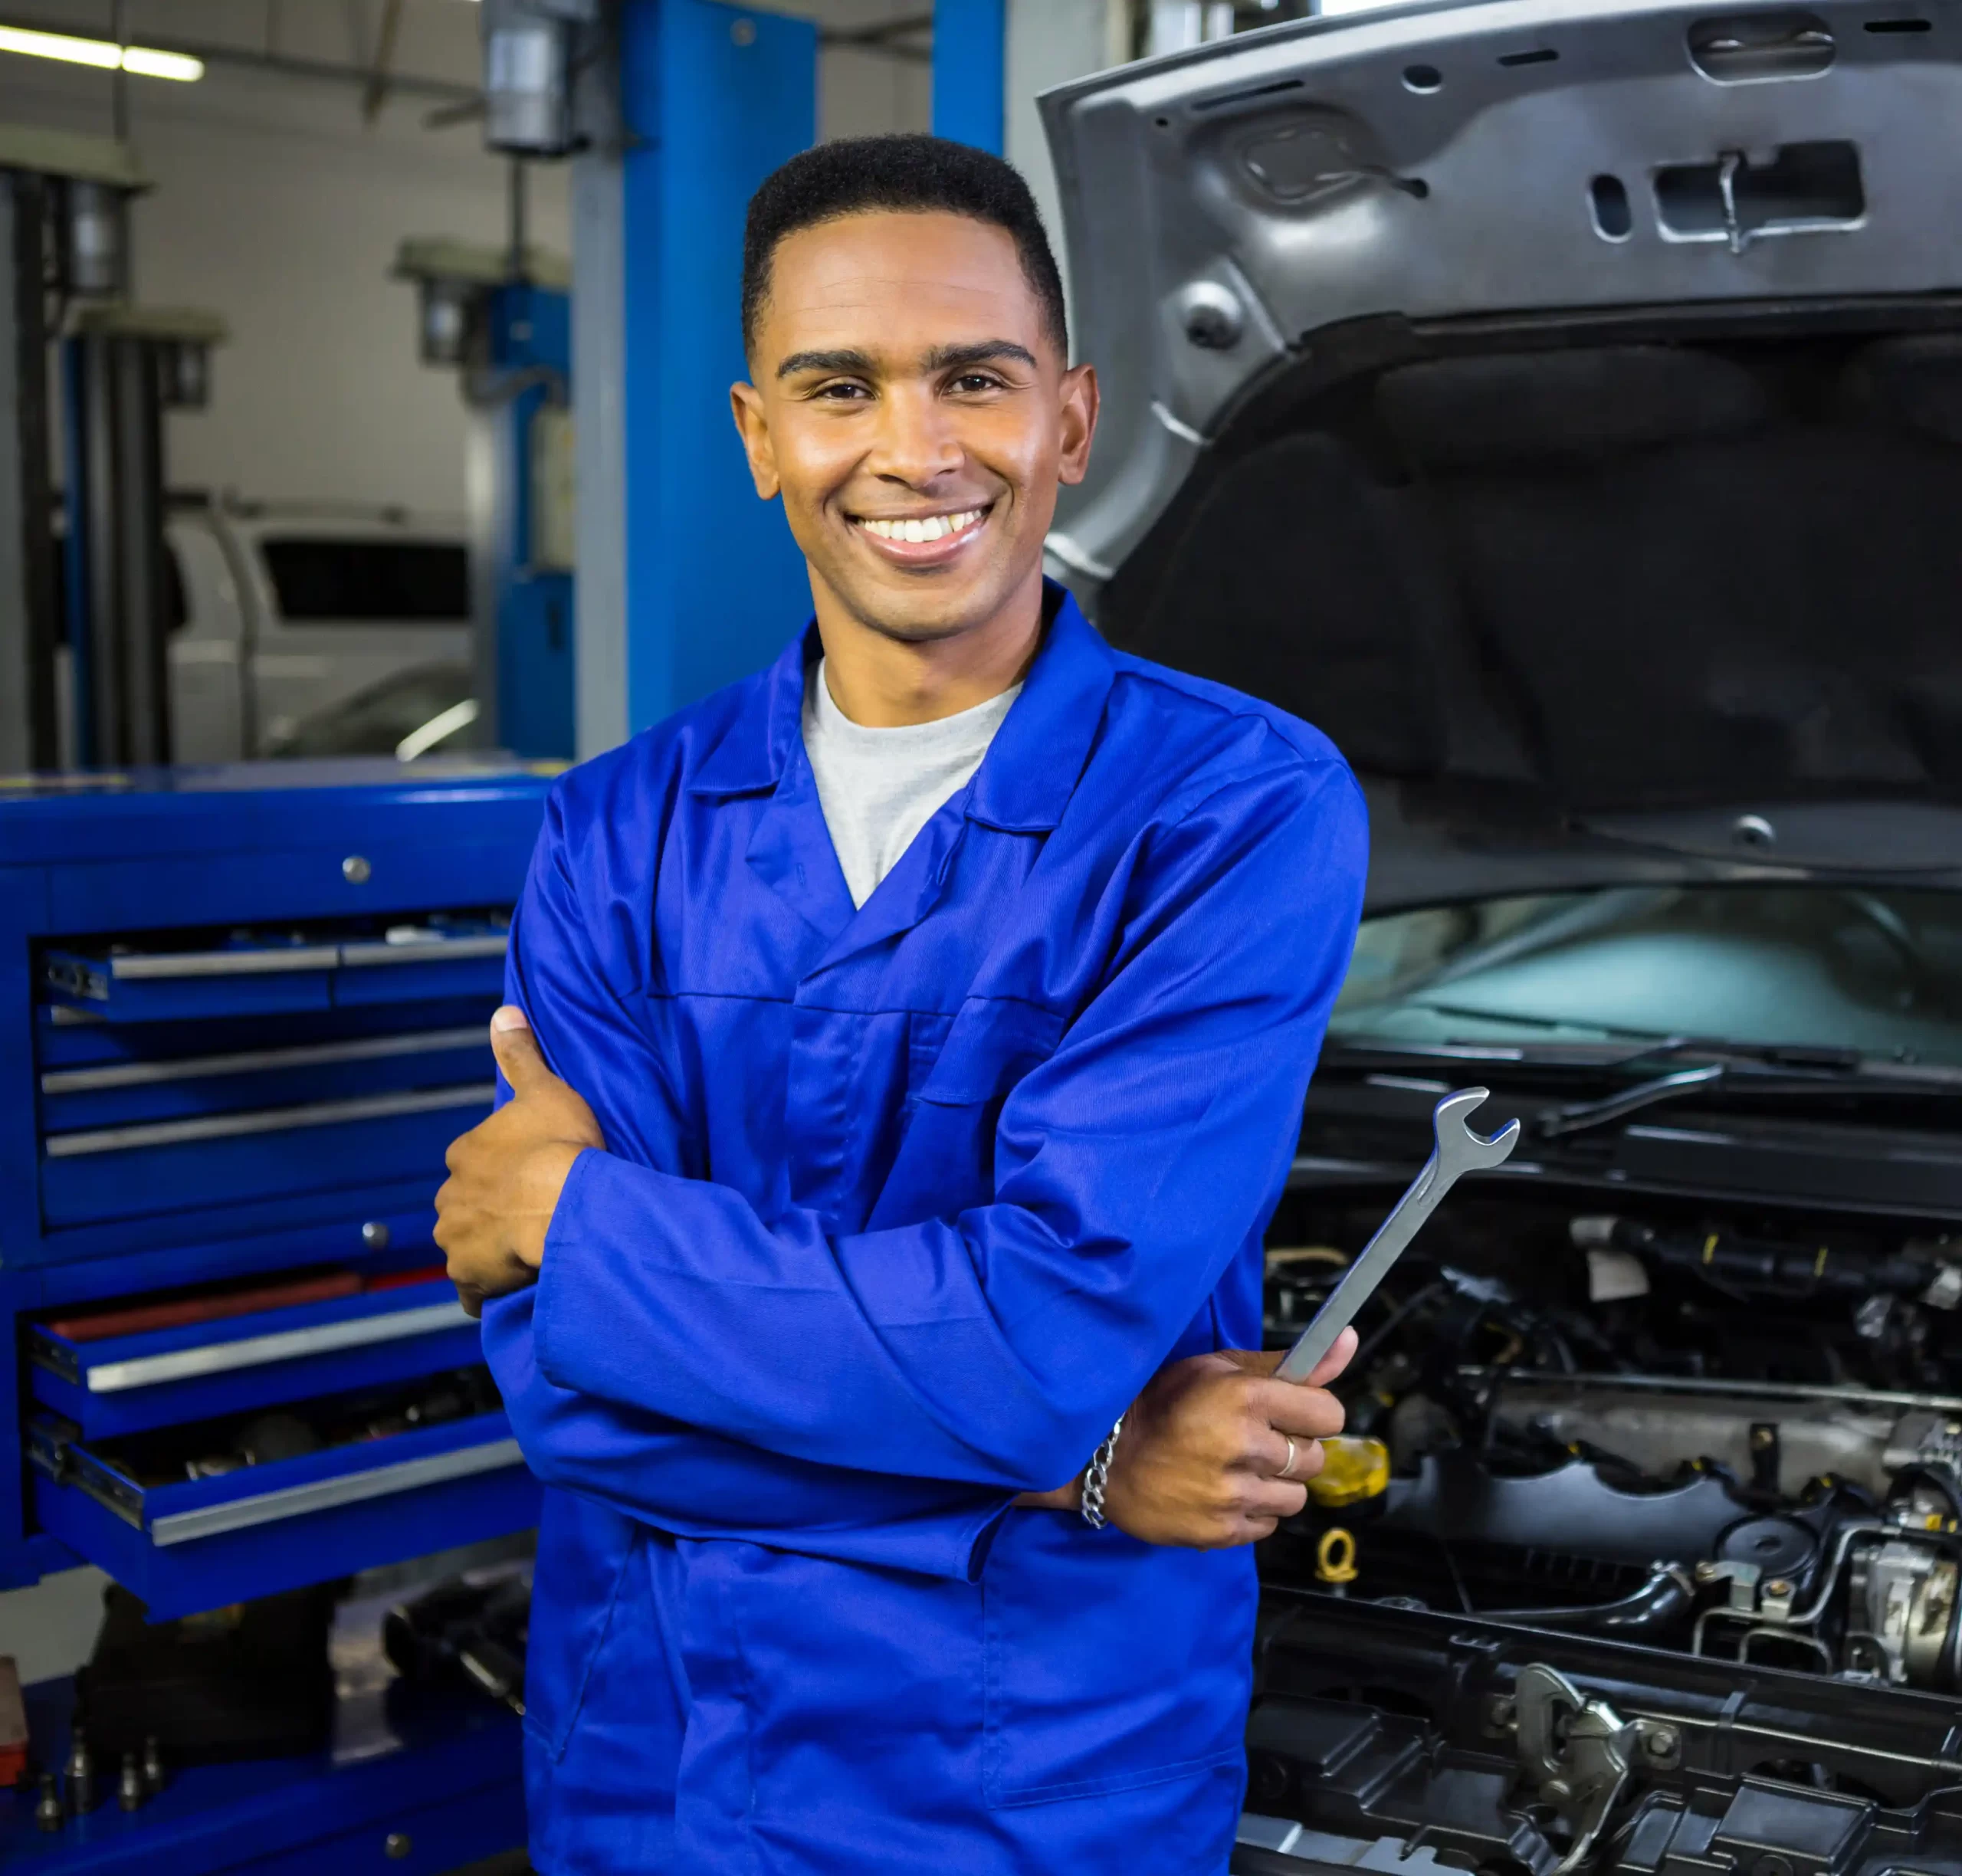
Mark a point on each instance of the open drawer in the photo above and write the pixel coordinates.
(180, 1518)
(347, 1337)
(189, 976)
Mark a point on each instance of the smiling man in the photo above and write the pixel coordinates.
(905, 1050)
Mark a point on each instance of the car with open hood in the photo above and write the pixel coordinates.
(1559, 403)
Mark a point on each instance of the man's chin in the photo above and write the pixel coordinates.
(920, 610)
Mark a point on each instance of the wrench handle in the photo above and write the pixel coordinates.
(1360, 1281)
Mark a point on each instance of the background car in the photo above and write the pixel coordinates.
(279, 612)
(425, 710)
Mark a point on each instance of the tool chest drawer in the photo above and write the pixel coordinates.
(191, 1516)
(132, 1172)
(182, 1078)
(134, 1366)
(257, 971)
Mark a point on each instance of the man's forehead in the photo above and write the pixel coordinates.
(890, 277)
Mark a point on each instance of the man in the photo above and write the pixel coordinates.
(927, 1020)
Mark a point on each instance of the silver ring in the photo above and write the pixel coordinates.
(1288, 1470)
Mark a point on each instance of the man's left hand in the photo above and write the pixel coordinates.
(506, 1176)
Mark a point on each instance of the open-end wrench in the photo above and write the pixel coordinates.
(1458, 1151)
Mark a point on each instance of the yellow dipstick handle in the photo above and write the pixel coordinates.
(1335, 1556)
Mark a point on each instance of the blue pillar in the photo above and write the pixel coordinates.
(970, 50)
(530, 349)
(712, 98)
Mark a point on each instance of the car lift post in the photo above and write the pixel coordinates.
(125, 366)
(970, 41)
(501, 315)
(63, 233)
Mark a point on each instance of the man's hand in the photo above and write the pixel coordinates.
(1204, 1459)
(506, 1176)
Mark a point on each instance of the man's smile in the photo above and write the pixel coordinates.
(922, 539)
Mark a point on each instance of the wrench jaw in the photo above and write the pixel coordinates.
(1460, 1149)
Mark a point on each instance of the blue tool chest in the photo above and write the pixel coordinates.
(243, 1013)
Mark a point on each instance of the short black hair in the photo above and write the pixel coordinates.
(910, 173)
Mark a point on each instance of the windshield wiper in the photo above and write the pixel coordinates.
(1577, 1117)
(1784, 1068)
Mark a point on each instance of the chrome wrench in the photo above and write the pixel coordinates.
(1458, 1151)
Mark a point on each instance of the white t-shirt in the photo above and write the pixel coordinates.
(878, 788)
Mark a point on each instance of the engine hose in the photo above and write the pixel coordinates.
(1667, 1596)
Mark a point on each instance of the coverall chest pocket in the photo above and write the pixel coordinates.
(961, 1072)
(1109, 1664)
(974, 1059)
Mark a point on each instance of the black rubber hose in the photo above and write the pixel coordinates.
(1664, 1599)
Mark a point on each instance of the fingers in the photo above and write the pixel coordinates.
(471, 1298)
(1333, 1363)
(1306, 1412)
(1275, 1499)
(517, 1049)
(1265, 1361)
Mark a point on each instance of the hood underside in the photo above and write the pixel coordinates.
(1530, 490)
(1622, 577)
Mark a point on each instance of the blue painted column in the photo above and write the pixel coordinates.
(970, 52)
(712, 98)
(530, 349)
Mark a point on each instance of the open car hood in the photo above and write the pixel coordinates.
(1559, 404)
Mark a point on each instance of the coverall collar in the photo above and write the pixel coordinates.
(1031, 769)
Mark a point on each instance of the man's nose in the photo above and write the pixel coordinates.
(918, 440)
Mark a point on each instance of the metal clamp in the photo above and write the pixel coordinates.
(1581, 1752)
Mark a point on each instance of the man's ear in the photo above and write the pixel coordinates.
(1081, 400)
(745, 405)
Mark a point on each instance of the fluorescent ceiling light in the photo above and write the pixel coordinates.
(104, 54)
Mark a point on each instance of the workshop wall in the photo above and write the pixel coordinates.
(861, 93)
(276, 206)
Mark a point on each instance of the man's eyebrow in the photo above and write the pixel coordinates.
(942, 357)
(987, 351)
(845, 361)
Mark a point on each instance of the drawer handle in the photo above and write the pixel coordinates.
(256, 1061)
(177, 1527)
(268, 1120)
(426, 950)
(224, 963)
(149, 967)
(142, 1371)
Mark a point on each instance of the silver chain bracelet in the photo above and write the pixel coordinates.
(1096, 1475)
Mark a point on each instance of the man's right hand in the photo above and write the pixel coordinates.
(1200, 1461)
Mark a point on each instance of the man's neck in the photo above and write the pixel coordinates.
(884, 683)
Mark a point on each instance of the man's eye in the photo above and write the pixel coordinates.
(842, 393)
(977, 381)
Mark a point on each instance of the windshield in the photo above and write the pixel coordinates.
(1878, 971)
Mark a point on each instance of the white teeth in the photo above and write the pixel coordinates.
(932, 528)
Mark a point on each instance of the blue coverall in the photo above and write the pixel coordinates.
(901, 1206)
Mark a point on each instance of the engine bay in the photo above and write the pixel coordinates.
(1610, 1483)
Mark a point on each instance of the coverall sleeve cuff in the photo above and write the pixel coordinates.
(566, 1275)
